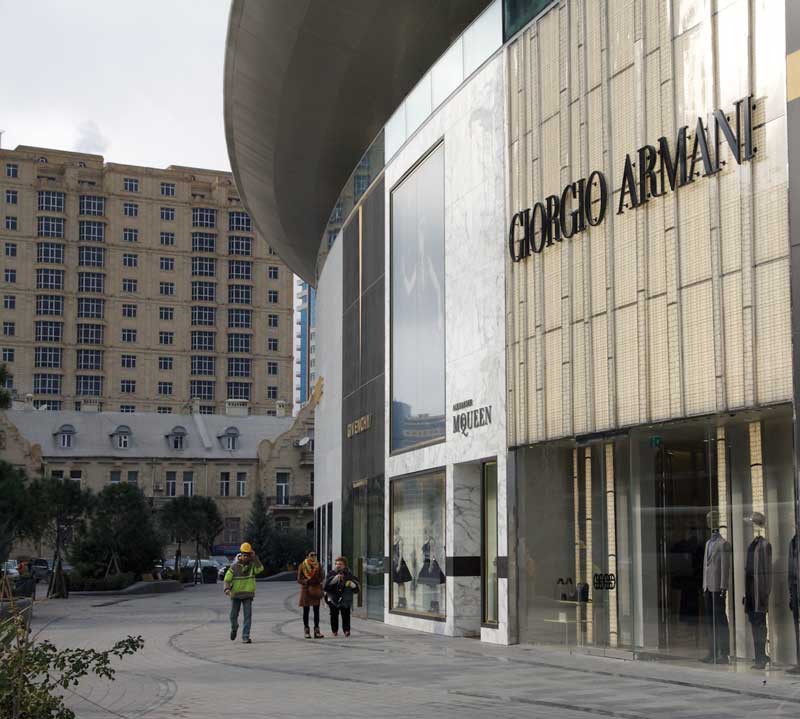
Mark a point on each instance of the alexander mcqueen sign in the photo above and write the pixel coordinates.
(465, 419)
(583, 203)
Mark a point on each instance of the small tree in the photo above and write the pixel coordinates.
(174, 518)
(16, 508)
(5, 395)
(260, 529)
(193, 518)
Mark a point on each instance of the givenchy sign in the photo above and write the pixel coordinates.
(652, 171)
(362, 424)
(469, 419)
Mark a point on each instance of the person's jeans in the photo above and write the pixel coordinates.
(345, 612)
(316, 616)
(247, 606)
(717, 623)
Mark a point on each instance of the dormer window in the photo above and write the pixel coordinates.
(177, 438)
(230, 439)
(121, 437)
(65, 436)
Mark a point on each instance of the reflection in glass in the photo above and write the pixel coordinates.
(418, 411)
(418, 550)
(489, 570)
(518, 13)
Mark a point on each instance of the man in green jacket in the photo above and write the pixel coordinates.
(240, 586)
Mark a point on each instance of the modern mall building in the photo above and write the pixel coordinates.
(557, 332)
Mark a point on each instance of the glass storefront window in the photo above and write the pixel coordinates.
(489, 568)
(417, 362)
(418, 583)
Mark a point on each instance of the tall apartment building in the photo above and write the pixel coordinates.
(138, 289)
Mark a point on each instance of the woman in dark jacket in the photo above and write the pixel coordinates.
(340, 586)
(309, 577)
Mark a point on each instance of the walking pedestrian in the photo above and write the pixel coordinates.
(340, 586)
(240, 586)
(309, 576)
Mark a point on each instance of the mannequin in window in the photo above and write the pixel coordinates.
(716, 579)
(794, 596)
(400, 574)
(757, 586)
(431, 574)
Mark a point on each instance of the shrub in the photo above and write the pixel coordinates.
(113, 583)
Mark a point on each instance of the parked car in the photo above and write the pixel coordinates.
(39, 568)
(10, 570)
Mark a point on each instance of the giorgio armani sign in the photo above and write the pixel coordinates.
(650, 172)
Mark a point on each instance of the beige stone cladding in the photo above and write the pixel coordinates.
(137, 288)
(681, 306)
(263, 453)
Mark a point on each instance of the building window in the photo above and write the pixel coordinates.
(167, 289)
(232, 530)
(91, 307)
(127, 408)
(240, 270)
(204, 242)
(201, 389)
(204, 291)
(130, 209)
(90, 334)
(360, 184)
(168, 189)
(165, 364)
(272, 392)
(12, 169)
(47, 357)
(129, 336)
(51, 201)
(48, 331)
(204, 267)
(89, 359)
(49, 252)
(206, 409)
(168, 214)
(167, 264)
(130, 260)
(239, 390)
(92, 205)
(166, 314)
(130, 285)
(86, 385)
(47, 384)
(9, 302)
(10, 276)
(239, 366)
(241, 484)
(272, 272)
(203, 365)
(11, 197)
(129, 311)
(282, 488)
(11, 249)
(90, 231)
(171, 483)
(272, 368)
(272, 296)
(204, 217)
(167, 239)
(130, 184)
(49, 305)
(224, 484)
(114, 477)
(75, 475)
(165, 388)
(203, 341)
(166, 338)
(238, 245)
(8, 354)
(130, 234)
(272, 344)
(188, 484)
(122, 440)
(272, 321)
(239, 221)
(91, 282)
(91, 256)
(230, 439)
(50, 226)
(239, 342)
(11, 223)
(240, 294)
(128, 361)
(49, 279)
(9, 329)
(127, 386)
(204, 315)
(65, 435)
(240, 318)
(164, 410)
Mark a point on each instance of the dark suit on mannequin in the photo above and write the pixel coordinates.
(716, 580)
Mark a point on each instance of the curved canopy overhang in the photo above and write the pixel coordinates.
(308, 86)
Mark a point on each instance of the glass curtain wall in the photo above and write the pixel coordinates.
(489, 554)
(417, 310)
(677, 541)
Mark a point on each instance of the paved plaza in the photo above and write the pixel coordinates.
(190, 668)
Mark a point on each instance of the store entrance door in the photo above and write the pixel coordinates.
(685, 489)
(368, 546)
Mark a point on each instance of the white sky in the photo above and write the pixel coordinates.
(138, 81)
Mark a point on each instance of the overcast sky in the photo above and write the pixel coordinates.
(137, 81)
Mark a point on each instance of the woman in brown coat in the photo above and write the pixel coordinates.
(309, 577)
